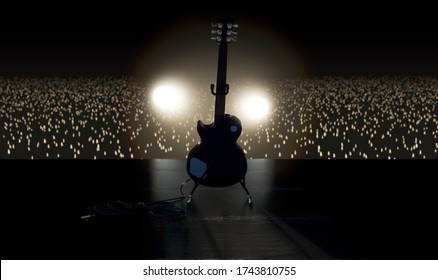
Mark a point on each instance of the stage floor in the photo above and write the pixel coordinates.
(219, 224)
(303, 209)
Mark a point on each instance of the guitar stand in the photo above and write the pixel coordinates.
(242, 182)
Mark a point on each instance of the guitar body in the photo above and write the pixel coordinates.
(218, 160)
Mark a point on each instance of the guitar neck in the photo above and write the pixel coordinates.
(223, 34)
(221, 82)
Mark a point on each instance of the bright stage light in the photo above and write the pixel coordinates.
(170, 97)
(256, 107)
(253, 106)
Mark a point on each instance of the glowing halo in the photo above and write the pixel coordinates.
(170, 97)
(256, 107)
(252, 105)
(185, 48)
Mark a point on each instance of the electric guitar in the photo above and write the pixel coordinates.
(217, 160)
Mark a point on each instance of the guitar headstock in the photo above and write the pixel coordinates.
(224, 30)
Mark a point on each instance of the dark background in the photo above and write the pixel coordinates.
(103, 38)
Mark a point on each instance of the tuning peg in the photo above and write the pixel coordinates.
(218, 25)
(231, 25)
(217, 38)
(230, 32)
(218, 32)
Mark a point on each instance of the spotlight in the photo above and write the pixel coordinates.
(170, 97)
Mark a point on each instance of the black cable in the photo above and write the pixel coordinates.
(162, 209)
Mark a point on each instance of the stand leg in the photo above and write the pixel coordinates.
(242, 182)
(189, 201)
(248, 196)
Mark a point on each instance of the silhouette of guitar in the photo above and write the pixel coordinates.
(218, 160)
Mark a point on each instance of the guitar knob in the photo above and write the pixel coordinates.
(233, 128)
